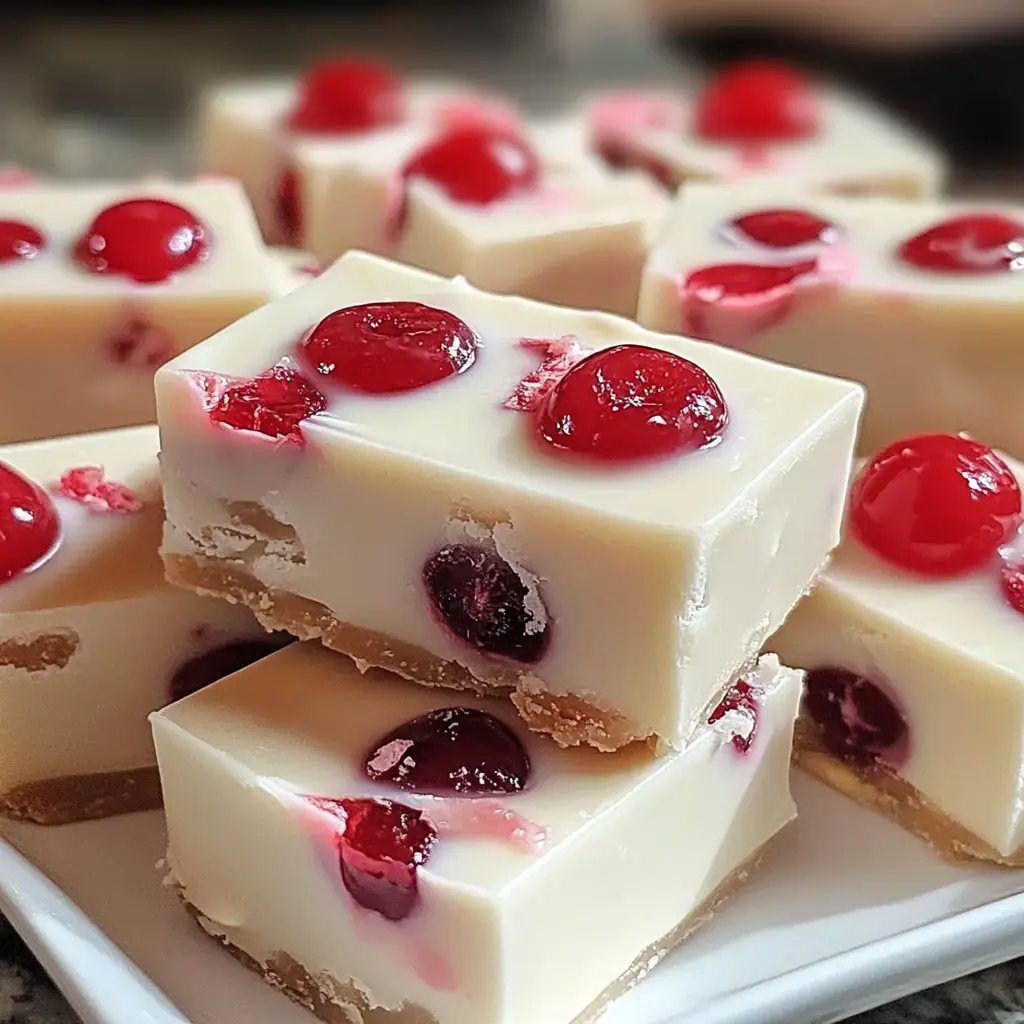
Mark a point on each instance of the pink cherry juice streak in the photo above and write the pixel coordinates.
(736, 320)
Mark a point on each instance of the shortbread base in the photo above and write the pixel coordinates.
(568, 719)
(888, 794)
(70, 798)
(345, 1002)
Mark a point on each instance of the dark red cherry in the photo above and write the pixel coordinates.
(484, 602)
(287, 203)
(29, 524)
(783, 229)
(147, 240)
(206, 668)
(477, 164)
(384, 347)
(381, 848)
(19, 241)
(857, 720)
(348, 96)
(632, 402)
(739, 697)
(935, 504)
(451, 750)
(975, 243)
(273, 403)
(757, 101)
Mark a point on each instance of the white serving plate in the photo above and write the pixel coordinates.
(847, 912)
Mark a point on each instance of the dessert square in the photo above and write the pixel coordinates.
(914, 649)
(250, 130)
(99, 284)
(92, 639)
(382, 855)
(919, 301)
(766, 120)
(484, 492)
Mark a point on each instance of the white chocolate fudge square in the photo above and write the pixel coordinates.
(765, 121)
(919, 301)
(82, 334)
(92, 639)
(457, 533)
(547, 883)
(246, 131)
(915, 687)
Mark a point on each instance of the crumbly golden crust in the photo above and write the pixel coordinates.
(568, 719)
(70, 798)
(897, 799)
(345, 1002)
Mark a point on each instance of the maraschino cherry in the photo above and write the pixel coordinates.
(757, 102)
(348, 96)
(937, 504)
(451, 750)
(386, 347)
(632, 402)
(147, 240)
(477, 164)
(974, 243)
(19, 241)
(29, 524)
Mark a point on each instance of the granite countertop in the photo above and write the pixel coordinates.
(101, 96)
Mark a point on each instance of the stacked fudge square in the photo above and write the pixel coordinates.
(551, 544)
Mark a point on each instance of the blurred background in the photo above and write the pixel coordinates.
(104, 91)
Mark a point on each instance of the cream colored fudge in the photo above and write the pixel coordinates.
(765, 120)
(91, 637)
(253, 131)
(99, 284)
(439, 531)
(915, 684)
(384, 856)
(917, 301)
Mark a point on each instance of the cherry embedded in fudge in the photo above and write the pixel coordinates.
(486, 604)
(739, 698)
(147, 240)
(273, 403)
(451, 750)
(386, 347)
(208, 667)
(89, 486)
(937, 504)
(632, 402)
(782, 229)
(976, 243)
(477, 165)
(348, 97)
(856, 720)
(287, 203)
(29, 524)
(19, 241)
(382, 846)
(757, 101)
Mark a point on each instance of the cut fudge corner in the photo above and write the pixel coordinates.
(247, 519)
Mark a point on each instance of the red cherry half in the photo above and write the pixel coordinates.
(451, 750)
(147, 240)
(19, 241)
(477, 165)
(979, 243)
(758, 101)
(936, 504)
(384, 347)
(29, 524)
(632, 402)
(348, 96)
